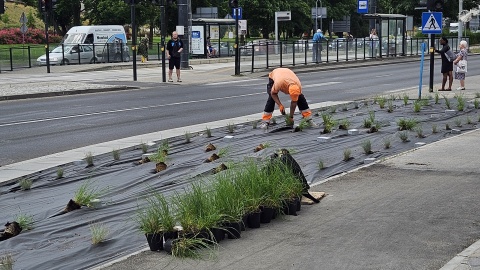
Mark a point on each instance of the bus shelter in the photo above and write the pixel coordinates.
(391, 30)
(216, 29)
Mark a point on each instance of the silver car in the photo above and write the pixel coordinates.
(69, 54)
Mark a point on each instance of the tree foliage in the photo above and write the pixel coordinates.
(107, 11)
(259, 13)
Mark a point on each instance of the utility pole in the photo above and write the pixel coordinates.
(163, 31)
(321, 16)
(47, 48)
(460, 23)
(185, 20)
(237, 47)
(134, 37)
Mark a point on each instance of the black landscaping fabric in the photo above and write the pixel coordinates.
(64, 241)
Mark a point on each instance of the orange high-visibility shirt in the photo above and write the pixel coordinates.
(286, 81)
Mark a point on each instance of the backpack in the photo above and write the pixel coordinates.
(450, 55)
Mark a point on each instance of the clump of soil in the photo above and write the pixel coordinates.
(373, 130)
(220, 168)
(260, 147)
(11, 229)
(160, 166)
(210, 147)
(212, 158)
(144, 160)
(71, 205)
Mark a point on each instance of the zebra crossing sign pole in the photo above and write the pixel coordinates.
(432, 24)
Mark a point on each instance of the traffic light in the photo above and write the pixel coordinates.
(233, 3)
(2, 6)
(435, 5)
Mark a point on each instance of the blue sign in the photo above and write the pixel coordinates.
(239, 12)
(432, 22)
(362, 6)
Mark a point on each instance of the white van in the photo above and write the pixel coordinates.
(109, 41)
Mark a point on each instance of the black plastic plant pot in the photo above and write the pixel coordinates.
(202, 235)
(168, 245)
(155, 241)
(254, 220)
(233, 230)
(170, 235)
(275, 213)
(290, 208)
(266, 214)
(244, 222)
(218, 234)
(298, 201)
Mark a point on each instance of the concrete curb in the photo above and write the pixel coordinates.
(123, 258)
(462, 257)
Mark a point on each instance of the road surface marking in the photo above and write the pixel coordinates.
(125, 110)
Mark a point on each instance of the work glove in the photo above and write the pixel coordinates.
(282, 109)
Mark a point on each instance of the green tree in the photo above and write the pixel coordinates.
(5, 19)
(107, 12)
(30, 20)
(66, 15)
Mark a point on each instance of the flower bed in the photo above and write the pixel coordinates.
(127, 182)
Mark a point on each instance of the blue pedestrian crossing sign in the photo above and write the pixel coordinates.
(431, 22)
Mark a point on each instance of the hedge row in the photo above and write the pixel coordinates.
(474, 38)
(33, 36)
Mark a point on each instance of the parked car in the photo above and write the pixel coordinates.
(302, 43)
(69, 55)
(259, 45)
(225, 49)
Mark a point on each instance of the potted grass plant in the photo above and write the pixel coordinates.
(229, 202)
(291, 190)
(271, 195)
(149, 221)
(248, 182)
(196, 211)
(165, 215)
(192, 247)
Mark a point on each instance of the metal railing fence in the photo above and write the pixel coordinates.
(253, 56)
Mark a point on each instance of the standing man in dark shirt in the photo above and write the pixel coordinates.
(447, 66)
(174, 49)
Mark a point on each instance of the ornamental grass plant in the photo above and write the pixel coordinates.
(86, 193)
(6, 262)
(99, 232)
(25, 221)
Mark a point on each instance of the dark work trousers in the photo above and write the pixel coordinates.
(270, 106)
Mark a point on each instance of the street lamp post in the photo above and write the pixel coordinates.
(460, 23)
(316, 15)
(321, 14)
(163, 27)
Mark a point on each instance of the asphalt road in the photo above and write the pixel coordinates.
(38, 127)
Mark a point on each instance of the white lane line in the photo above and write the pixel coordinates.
(240, 81)
(385, 75)
(144, 107)
(320, 84)
(125, 110)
